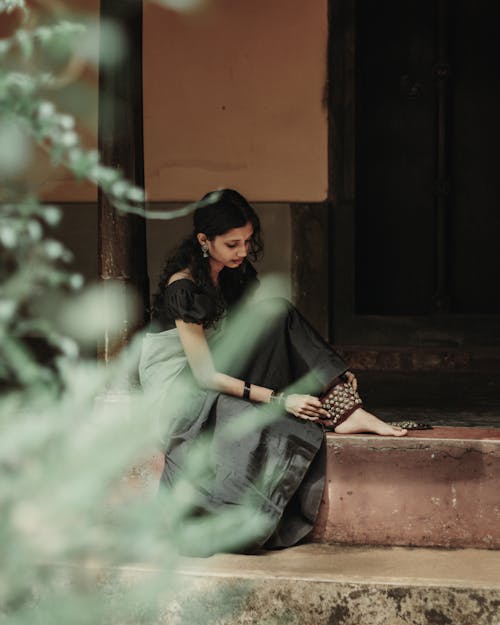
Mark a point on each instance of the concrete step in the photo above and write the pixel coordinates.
(337, 585)
(433, 488)
(438, 488)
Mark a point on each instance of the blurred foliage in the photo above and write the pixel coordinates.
(8, 6)
(68, 436)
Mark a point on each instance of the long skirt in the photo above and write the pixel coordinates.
(286, 459)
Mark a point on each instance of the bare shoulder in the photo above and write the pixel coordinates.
(185, 274)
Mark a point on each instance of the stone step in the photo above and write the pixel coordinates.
(436, 359)
(433, 488)
(438, 488)
(336, 585)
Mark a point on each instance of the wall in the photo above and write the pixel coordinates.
(78, 96)
(234, 98)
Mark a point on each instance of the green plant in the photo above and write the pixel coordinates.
(64, 531)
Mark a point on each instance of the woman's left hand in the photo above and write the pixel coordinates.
(351, 378)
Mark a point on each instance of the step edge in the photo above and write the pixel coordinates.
(414, 436)
(346, 579)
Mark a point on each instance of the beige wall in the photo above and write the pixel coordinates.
(233, 98)
(80, 97)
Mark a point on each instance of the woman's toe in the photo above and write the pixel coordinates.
(399, 431)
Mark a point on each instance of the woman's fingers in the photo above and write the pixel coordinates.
(312, 403)
(304, 411)
(315, 405)
(318, 411)
(312, 409)
(351, 378)
(306, 407)
(306, 418)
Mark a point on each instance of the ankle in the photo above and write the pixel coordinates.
(340, 401)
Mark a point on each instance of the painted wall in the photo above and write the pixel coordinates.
(78, 95)
(234, 98)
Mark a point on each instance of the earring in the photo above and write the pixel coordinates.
(204, 249)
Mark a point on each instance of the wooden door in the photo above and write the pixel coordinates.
(415, 95)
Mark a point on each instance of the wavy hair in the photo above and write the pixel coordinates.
(219, 212)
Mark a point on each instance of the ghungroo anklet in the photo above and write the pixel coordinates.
(340, 401)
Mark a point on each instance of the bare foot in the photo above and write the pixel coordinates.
(363, 421)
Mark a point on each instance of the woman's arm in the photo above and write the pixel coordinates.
(200, 360)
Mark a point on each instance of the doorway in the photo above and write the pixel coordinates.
(414, 101)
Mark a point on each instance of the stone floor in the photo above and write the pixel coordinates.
(333, 585)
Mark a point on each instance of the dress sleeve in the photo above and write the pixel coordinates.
(183, 300)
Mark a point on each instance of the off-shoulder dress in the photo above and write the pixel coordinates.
(289, 451)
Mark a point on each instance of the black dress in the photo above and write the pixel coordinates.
(290, 451)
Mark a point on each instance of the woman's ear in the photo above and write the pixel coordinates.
(202, 238)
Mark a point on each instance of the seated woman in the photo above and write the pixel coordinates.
(282, 463)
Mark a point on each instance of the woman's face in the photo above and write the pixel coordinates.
(229, 249)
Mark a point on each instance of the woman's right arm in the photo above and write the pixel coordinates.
(199, 357)
(194, 342)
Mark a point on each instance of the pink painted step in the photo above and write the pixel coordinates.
(437, 488)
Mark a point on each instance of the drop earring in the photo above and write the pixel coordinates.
(204, 249)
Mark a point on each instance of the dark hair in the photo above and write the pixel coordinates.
(217, 212)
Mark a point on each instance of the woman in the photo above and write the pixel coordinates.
(203, 280)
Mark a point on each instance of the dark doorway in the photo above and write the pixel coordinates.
(415, 107)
